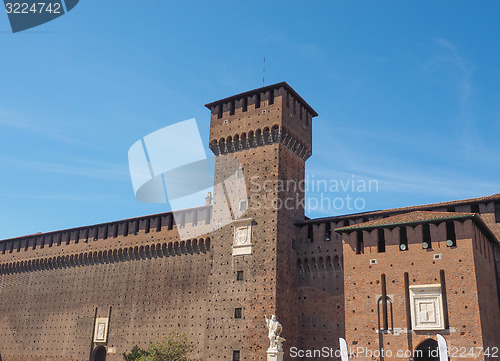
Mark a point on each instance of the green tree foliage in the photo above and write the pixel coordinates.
(173, 347)
(135, 354)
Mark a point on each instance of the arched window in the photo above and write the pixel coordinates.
(275, 132)
(321, 264)
(336, 263)
(251, 139)
(427, 351)
(237, 145)
(258, 137)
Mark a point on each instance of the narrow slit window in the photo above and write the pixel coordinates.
(219, 111)
(385, 316)
(310, 235)
(451, 237)
(381, 241)
(328, 231)
(231, 108)
(257, 101)
(271, 96)
(426, 236)
(360, 243)
(244, 107)
(403, 239)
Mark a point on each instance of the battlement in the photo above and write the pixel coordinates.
(162, 222)
(272, 114)
(86, 258)
(260, 97)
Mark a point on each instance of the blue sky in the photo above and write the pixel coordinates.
(408, 94)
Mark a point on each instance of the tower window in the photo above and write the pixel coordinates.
(237, 312)
(271, 96)
(257, 100)
(426, 236)
(451, 238)
(240, 173)
(310, 235)
(287, 100)
(474, 208)
(381, 241)
(328, 231)
(236, 355)
(231, 108)
(497, 211)
(219, 111)
(244, 107)
(239, 276)
(403, 239)
(359, 243)
(243, 206)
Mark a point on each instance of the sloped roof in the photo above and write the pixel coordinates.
(407, 218)
(421, 217)
(423, 207)
(283, 84)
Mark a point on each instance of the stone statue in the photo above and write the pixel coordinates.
(275, 329)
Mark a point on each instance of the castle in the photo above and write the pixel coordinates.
(387, 280)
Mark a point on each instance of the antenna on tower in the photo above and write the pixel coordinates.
(264, 72)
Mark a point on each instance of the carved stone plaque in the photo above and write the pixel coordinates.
(101, 330)
(426, 307)
(242, 238)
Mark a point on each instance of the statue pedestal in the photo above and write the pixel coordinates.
(274, 355)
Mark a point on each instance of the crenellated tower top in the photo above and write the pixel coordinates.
(271, 114)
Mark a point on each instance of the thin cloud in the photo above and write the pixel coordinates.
(448, 60)
(8, 119)
(69, 197)
(103, 170)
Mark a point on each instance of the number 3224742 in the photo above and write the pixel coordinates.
(35, 8)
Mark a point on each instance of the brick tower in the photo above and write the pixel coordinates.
(268, 131)
(413, 276)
